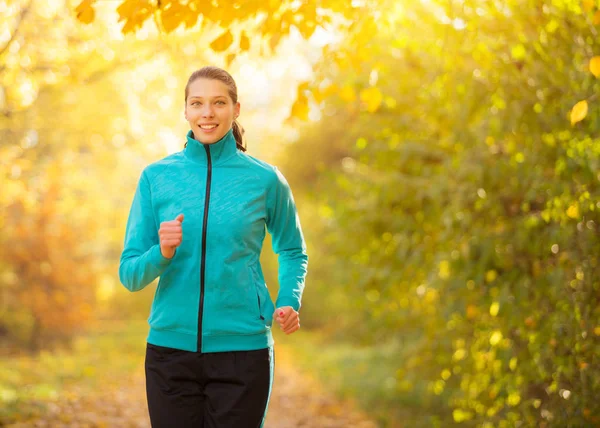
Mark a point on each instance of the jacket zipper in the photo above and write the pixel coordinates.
(257, 295)
(203, 255)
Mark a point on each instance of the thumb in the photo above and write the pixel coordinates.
(179, 218)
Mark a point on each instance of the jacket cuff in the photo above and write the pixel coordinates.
(157, 259)
(287, 301)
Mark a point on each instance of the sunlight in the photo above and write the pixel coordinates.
(171, 141)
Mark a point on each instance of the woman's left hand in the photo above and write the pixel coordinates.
(288, 319)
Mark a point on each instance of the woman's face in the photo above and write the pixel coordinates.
(210, 110)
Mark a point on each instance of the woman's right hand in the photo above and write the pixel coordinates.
(170, 236)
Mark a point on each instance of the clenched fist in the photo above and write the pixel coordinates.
(288, 319)
(170, 236)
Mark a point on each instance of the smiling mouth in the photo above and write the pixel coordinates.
(208, 127)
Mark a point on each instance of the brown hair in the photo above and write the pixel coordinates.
(216, 73)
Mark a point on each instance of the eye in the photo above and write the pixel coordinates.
(195, 103)
(220, 102)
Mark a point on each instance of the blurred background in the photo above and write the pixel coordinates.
(445, 160)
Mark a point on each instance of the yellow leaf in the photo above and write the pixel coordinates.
(306, 28)
(85, 11)
(588, 5)
(330, 90)
(190, 19)
(303, 87)
(579, 112)
(495, 338)
(595, 66)
(461, 416)
(347, 94)
(127, 9)
(460, 354)
(596, 20)
(229, 59)
(471, 311)
(372, 97)
(513, 399)
(274, 41)
(318, 95)
(446, 374)
(322, 94)
(597, 331)
(244, 42)
(300, 108)
(390, 102)
(134, 13)
(494, 309)
(444, 272)
(573, 211)
(173, 16)
(222, 42)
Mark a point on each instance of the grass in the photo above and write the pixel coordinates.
(112, 352)
(367, 376)
(104, 357)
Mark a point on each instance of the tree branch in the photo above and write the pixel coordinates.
(14, 33)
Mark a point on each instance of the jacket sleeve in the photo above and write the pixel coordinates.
(288, 243)
(141, 260)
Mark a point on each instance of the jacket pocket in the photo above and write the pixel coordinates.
(256, 282)
(263, 299)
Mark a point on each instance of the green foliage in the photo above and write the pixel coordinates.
(464, 218)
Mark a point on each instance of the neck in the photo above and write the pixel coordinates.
(218, 151)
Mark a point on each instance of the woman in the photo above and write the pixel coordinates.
(198, 221)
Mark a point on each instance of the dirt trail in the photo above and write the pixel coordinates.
(296, 401)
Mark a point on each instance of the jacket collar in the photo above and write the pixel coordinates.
(219, 151)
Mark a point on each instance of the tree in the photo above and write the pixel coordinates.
(461, 222)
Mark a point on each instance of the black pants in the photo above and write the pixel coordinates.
(207, 390)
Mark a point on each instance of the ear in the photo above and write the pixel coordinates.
(237, 109)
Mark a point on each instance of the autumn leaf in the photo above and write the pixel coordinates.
(596, 20)
(372, 98)
(134, 13)
(471, 312)
(222, 42)
(85, 11)
(190, 20)
(347, 94)
(300, 108)
(244, 42)
(595, 66)
(128, 8)
(318, 95)
(229, 59)
(588, 5)
(172, 16)
(306, 28)
(573, 211)
(579, 112)
(274, 41)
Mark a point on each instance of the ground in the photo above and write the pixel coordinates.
(297, 401)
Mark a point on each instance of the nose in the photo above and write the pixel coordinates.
(207, 110)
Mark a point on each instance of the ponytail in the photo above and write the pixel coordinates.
(238, 133)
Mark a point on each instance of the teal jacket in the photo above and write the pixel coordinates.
(212, 296)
